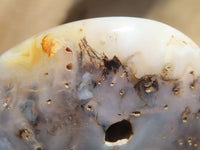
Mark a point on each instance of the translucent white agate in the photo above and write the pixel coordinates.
(104, 84)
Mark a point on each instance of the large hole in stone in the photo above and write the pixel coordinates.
(119, 131)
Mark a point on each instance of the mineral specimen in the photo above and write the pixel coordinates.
(115, 83)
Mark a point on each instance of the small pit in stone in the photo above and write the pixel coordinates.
(69, 66)
(39, 148)
(68, 50)
(146, 88)
(48, 101)
(24, 134)
(118, 133)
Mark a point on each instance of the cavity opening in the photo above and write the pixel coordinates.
(118, 133)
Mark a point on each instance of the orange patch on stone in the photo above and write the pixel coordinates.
(48, 45)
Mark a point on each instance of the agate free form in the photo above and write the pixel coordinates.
(115, 83)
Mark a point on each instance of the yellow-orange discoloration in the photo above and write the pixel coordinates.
(34, 53)
(25, 55)
(48, 45)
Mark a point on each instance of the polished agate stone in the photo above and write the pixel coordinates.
(116, 83)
